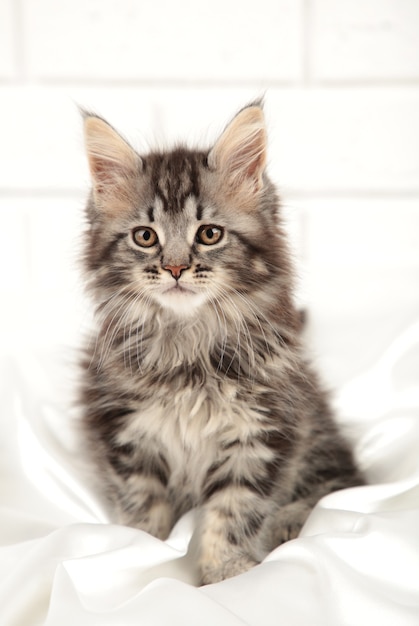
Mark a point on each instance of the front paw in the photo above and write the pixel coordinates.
(287, 523)
(216, 572)
(155, 519)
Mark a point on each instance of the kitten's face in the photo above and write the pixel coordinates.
(182, 228)
(180, 257)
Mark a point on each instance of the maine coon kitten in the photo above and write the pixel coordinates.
(196, 390)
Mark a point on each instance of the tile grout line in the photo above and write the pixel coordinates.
(286, 192)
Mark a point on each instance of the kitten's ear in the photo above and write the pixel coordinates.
(240, 152)
(113, 164)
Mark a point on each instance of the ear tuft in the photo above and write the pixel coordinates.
(112, 162)
(240, 152)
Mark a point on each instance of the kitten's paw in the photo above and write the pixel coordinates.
(156, 521)
(288, 522)
(236, 565)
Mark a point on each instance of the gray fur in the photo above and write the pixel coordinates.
(202, 398)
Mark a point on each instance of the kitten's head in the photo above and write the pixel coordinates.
(177, 229)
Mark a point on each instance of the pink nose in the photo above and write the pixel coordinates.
(175, 270)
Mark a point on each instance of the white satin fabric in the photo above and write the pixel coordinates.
(356, 562)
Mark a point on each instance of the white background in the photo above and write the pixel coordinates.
(341, 84)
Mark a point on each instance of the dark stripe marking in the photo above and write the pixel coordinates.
(107, 252)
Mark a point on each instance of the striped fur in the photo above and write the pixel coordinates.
(196, 391)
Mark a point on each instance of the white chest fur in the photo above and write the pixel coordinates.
(189, 428)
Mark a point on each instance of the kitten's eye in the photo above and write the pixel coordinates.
(209, 235)
(144, 237)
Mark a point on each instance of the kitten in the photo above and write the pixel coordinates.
(196, 392)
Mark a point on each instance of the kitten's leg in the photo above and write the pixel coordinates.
(286, 523)
(138, 490)
(143, 503)
(238, 497)
(230, 523)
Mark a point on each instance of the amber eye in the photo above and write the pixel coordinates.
(144, 237)
(209, 235)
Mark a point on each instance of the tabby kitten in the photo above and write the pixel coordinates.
(196, 390)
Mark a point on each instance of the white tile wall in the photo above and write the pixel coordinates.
(371, 232)
(164, 40)
(320, 139)
(361, 267)
(364, 40)
(14, 238)
(342, 103)
(8, 44)
(340, 140)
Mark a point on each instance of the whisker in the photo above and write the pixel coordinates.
(103, 311)
(223, 297)
(126, 304)
(125, 299)
(128, 335)
(258, 316)
(242, 329)
(139, 342)
(213, 301)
